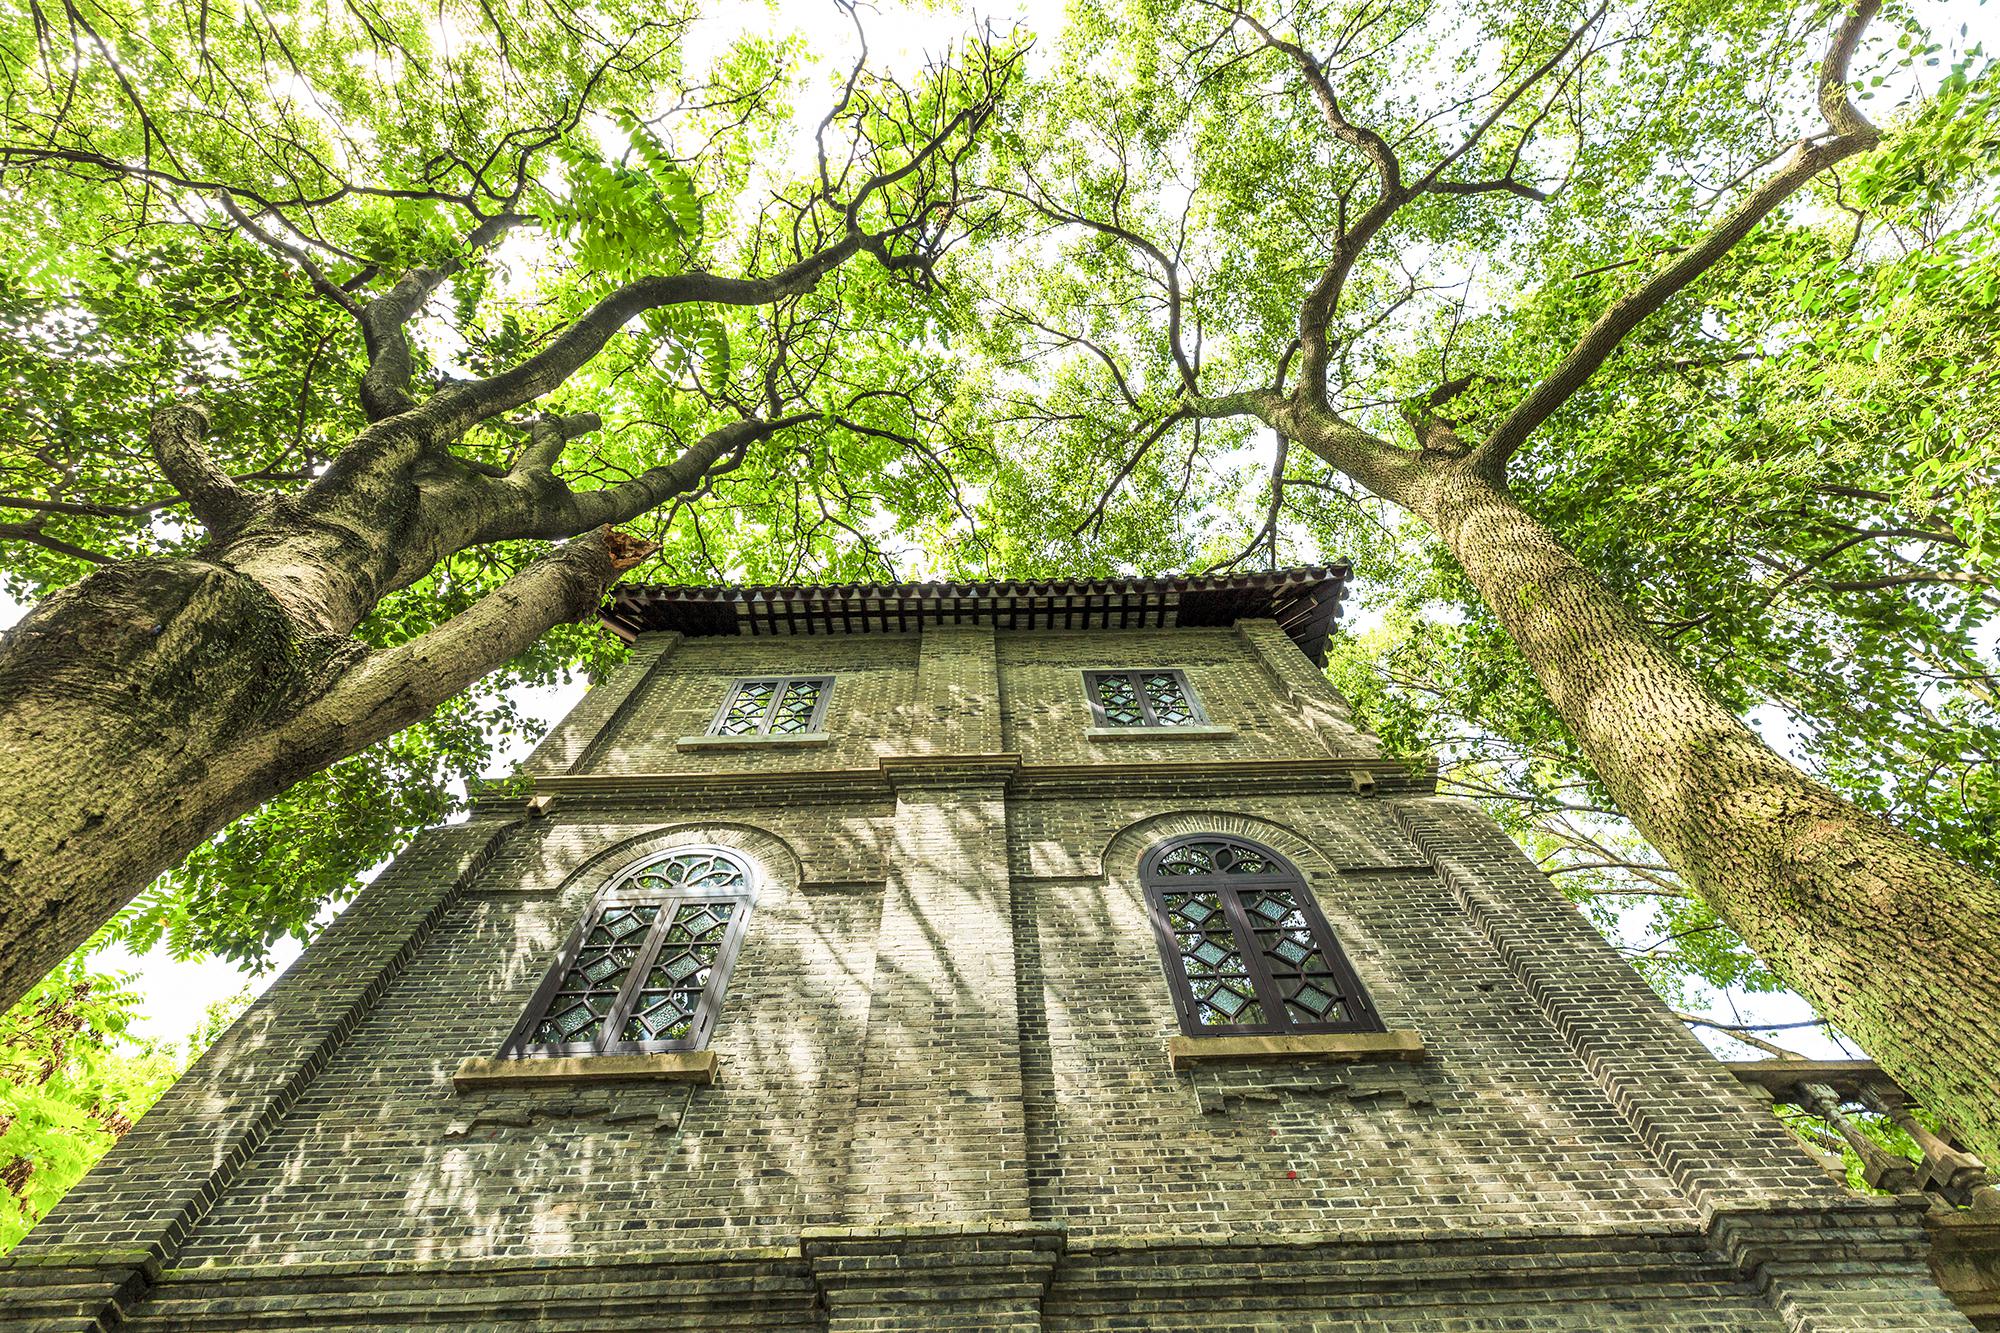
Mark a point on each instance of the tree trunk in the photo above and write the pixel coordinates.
(144, 708)
(117, 697)
(1894, 942)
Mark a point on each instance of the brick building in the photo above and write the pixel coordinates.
(978, 956)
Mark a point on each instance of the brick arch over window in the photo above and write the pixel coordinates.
(775, 863)
(1245, 947)
(1123, 849)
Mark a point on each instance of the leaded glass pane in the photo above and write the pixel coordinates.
(1215, 858)
(698, 872)
(745, 715)
(1315, 999)
(796, 708)
(1234, 858)
(1119, 701)
(575, 1014)
(1275, 907)
(668, 1000)
(1168, 699)
(1221, 1001)
(1190, 858)
(1217, 976)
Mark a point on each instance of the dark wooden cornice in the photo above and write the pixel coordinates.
(1304, 601)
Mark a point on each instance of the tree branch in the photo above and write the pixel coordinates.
(322, 284)
(215, 500)
(385, 385)
(457, 408)
(1736, 1032)
(389, 689)
(1852, 134)
(541, 505)
(1170, 282)
(32, 533)
(1316, 312)
(548, 436)
(1145, 445)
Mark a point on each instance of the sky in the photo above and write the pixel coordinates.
(176, 994)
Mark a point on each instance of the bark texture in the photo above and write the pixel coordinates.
(144, 708)
(1890, 939)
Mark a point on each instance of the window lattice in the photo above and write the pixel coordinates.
(1215, 858)
(691, 872)
(789, 706)
(665, 1006)
(1167, 698)
(797, 707)
(1142, 699)
(1119, 701)
(647, 969)
(589, 989)
(1245, 947)
(1218, 979)
(745, 714)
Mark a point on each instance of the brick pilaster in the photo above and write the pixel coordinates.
(958, 690)
(939, 1136)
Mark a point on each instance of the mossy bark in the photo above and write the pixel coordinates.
(118, 697)
(147, 706)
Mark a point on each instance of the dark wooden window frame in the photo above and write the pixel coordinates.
(1155, 885)
(825, 681)
(1198, 718)
(618, 892)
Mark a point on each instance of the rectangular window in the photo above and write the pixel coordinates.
(782, 706)
(1142, 699)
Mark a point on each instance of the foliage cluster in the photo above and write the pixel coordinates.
(73, 1079)
(1789, 469)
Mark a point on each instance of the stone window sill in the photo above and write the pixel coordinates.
(1157, 733)
(499, 1072)
(1396, 1044)
(804, 738)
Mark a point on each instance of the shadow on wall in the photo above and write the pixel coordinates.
(381, 1160)
(1502, 1127)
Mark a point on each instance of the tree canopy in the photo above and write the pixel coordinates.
(1789, 467)
(1024, 265)
(297, 222)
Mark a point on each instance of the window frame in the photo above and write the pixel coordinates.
(825, 681)
(1154, 885)
(619, 891)
(1198, 714)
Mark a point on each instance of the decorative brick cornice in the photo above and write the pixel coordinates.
(934, 1276)
(1147, 780)
(950, 770)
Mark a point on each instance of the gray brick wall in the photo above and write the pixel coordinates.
(944, 1099)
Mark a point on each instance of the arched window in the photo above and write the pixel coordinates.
(646, 970)
(1245, 947)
